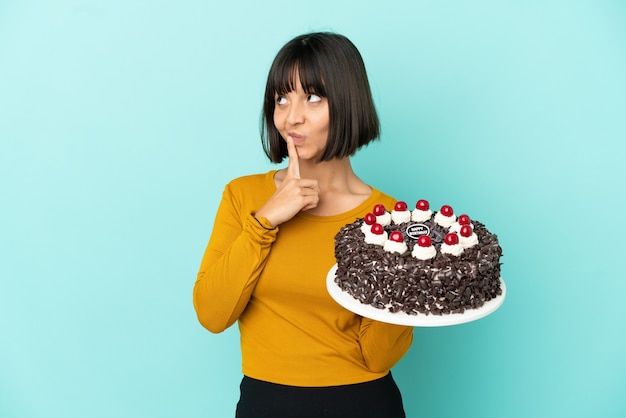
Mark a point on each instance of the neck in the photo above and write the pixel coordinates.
(336, 174)
(340, 188)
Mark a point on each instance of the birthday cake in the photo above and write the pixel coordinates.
(418, 261)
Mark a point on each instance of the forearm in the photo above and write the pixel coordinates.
(227, 277)
(383, 345)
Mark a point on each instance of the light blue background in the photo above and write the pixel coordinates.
(121, 121)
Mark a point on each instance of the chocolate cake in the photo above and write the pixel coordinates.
(418, 262)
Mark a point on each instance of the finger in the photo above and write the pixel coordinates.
(310, 195)
(312, 203)
(293, 169)
(311, 184)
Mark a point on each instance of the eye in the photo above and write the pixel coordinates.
(314, 98)
(280, 100)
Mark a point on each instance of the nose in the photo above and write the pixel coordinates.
(295, 115)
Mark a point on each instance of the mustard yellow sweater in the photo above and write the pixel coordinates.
(273, 282)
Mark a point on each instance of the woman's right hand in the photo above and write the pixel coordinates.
(293, 194)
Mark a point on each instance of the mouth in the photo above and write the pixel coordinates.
(297, 138)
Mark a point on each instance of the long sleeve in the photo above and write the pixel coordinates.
(383, 345)
(231, 265)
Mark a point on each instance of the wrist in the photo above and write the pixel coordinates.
(264, 222)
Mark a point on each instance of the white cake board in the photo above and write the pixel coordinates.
(402, 318)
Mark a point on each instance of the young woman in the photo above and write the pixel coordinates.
(272, 246)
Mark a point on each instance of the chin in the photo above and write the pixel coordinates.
(311, 158)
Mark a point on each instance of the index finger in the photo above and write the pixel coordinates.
(293, 169)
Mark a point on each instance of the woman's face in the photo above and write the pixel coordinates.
(305, 118)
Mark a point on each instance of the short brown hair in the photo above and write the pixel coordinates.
(330, 66)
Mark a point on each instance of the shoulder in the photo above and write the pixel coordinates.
(383, 198)
(250, 190)
(247, 193)
(260, 181)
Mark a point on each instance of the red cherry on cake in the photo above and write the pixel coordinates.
(464, 220)
(424, 241)
(396, 236)
(379, 210)
(466, 231)
(400, 206)
(370, 219)
(452, 239)
(377, 229)
(446, 210)
(422, 204)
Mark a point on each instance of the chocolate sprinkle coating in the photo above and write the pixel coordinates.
(401, 283)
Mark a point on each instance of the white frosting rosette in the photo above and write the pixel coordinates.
(395, 247)
(451, 245)
(424, 249)
(461, 221)
(424, 253)
(400, 216)
(456, 227)
(395, 243)
(467, 237)
(454, 249)
(443, 220)
(384, 219)
(419, 215)
(377, 239)
(468, 242)
(367, 227)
